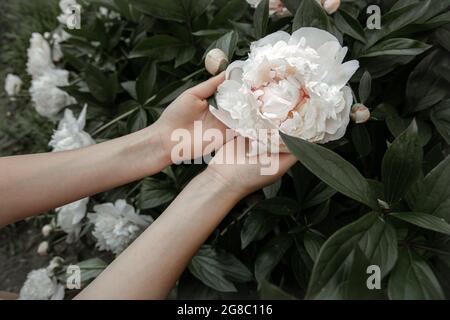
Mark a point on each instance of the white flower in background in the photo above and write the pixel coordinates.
(58, 36)
(13, 85)
(69, 218)
(117, 225)
(46, 230)
(70, 134)
(330, 6)
(109, 14)
(66, 10)
(39, 56)
(276, 7)
(47, 97)
(42, 249)
(296, 84)
(41, 285)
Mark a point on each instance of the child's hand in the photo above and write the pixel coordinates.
(191, 106)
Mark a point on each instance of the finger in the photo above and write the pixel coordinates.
(287, 160)
(206, 89)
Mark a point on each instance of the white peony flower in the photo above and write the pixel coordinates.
(40, 285)
(117, 225)
(59, 36)
(69, 218)
(47, 97)
(39, 56)
(109, 14)
(66, 7)
(276, 7)
(296, 84)
(13, 85)
(70, 134)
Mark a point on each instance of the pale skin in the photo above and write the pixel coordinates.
(150, 266)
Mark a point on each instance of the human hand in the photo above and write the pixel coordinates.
(242, 173)
(189, 107)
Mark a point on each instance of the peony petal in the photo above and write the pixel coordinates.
(272, 39)
(314, 37)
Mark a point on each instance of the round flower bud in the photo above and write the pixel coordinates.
(46, 230)
(331, 6)
(216, 61)
(43, 248)
(360, 113)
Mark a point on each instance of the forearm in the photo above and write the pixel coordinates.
(149, 268)
(32, 184)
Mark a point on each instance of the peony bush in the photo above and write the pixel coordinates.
(364, 214)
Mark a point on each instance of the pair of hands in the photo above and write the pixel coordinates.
(241, 173)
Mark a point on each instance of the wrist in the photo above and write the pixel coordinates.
(223, 185)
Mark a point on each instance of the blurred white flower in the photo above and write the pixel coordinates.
(58, 36)
(276, 7)
(330, 6)
(47, 97)
(216, 61)
(296, 84)
(42, 249)
(40, 285)
(13, 85)
(66, 10)
(46, 230)
(39, 56)
(70, 134)
(69, 218)
(117, 225)
(109, 14)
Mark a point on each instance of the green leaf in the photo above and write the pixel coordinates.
(434, 195)
(217, 269)
(270, 255)
(332, 169)
(171, 10)
(227, 43)
(279, 206)
(233, 10)
(396, 19)
(156, 192)
(310, 14)
(319, 194)
(312, 242)
(413, 279)
(440, 116)
(365, 87)
(427, 84)
(424, 220)
(261, 19)
(402, 164)
(397, 47)
(137, 121)
(256, 226)
(268, 291)
(272, 190)
(160, 47)
(130, 88)
(370, 234)
(349, 25)
(184, 56)
(90, 269)
(361, 140)
(102, 86)
(145, 83)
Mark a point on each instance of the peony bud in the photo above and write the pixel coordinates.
(216, 61)
(331, 6)
(46, 230)
(360, 113)
(13, 85)
(43, 248)
(55, 263)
